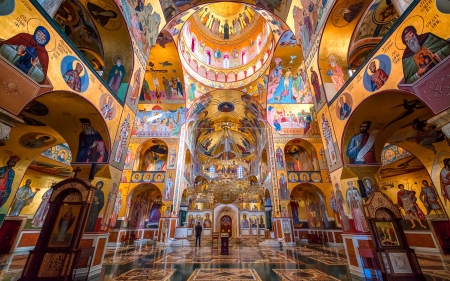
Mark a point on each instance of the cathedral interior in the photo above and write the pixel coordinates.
(276, 134)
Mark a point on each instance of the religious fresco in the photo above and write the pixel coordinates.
(333, 49)
(58, 63)
(225, 63)
(60, 153)
(121, 140)
(144, 177)
(377, 73)
(345, 107)
(287, 81)
(134, 89)
(153, 156)
(163, 81)
(391, 153)
(316, 86)
(144, 19)
(257, 89)
(315, 214)
(330, 148)
(98, 202)
(417, 197)
(158, 121)
(36, 140)
(28, 51)
(306, 20)
(293, 119)
(194, 89)
(403, 60)
(373, 25)
(299, 177)
(301, 156)
(216, 18)
(76, 22)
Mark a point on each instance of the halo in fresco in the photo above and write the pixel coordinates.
(416, 21)
(35, 23)
(344, 106)
(74, 74)
(385, 13)
(36, 140)
(108, 108)
(442, 158)
(377, 73)
(6, 159)
(346, 12)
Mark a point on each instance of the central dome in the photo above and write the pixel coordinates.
(225, 44)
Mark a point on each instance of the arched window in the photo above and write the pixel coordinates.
(244, 57)
(226, 61)
(240, 172)
(208, 57)
(193, 43)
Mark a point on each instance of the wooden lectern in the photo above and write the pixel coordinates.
(224, 244)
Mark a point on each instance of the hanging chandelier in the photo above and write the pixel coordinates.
(226, 173)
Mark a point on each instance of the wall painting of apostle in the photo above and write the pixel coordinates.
(28, 52)
(63, 230)
(360, 149)
(91, 146)
(377, 73)
(422, 50)
(74, 74)
(344, 107)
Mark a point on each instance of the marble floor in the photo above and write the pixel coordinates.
(247, 261)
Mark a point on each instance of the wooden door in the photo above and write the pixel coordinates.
(225, 225)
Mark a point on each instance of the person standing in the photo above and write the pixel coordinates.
(198, 233)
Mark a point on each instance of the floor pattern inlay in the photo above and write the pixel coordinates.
(303, 275)
(224, 274)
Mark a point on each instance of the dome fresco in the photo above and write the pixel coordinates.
(222, 44)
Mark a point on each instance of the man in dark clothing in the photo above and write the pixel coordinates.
(198, 233)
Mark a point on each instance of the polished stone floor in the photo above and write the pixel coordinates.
(246, 261)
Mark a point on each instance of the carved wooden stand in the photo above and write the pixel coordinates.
(58, 245)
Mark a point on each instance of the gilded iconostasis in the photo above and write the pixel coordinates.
(325, 102)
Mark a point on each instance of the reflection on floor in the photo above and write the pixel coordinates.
(302, 274)
(246, 261)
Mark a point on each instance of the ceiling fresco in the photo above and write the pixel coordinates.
(172, 9)
(243, 112)
(376, 21)
(306, 19)
(383, 122)
(287, 81)
(163, 82)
